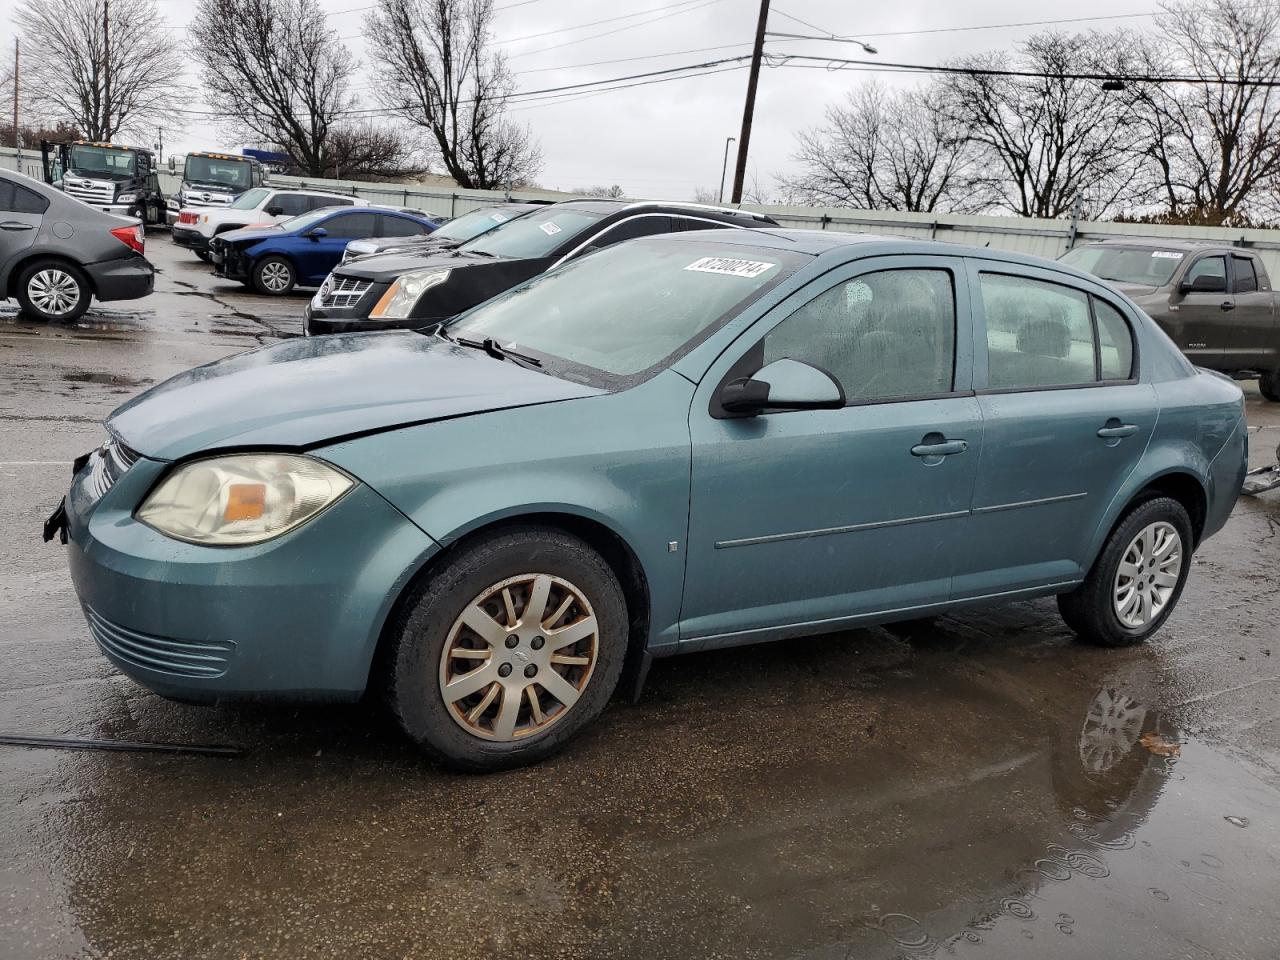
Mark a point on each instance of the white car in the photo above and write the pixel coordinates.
(196, 226)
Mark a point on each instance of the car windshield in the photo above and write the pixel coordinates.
(104, 160)
(251, 200)
(217, 171)
(472, 224)
(535, 235)
(1146, 266)
(628, 307)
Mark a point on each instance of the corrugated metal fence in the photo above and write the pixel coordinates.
(1044, 238)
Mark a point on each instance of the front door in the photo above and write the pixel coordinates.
(1066, 422)
(1199, 320)
(321, 254)
(805, 520)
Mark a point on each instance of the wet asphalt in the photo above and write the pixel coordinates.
(981, 788)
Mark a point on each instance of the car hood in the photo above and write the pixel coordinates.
(1133, 290)
(250, 234)
(385, 267)
(303, 392)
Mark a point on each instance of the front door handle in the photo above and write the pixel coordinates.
(15, 225)
(940, 447)
(1227, 305)
(1114, 430)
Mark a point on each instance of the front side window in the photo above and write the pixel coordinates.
(539, 234)
(630, 229)
(884, 335)
(629, 307)
(1214, 267)
(290, 204)
(1038, 334)
(1246, 276)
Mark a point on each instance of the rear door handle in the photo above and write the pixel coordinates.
(940, 448)
(1118, 431)
(15, 225)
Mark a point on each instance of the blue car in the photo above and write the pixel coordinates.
(676, 443)
(300, 252)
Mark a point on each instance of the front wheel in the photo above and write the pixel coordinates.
(1269, 385)
(509, 650)
(53, 290)
(274, 276)
(203, 255)
(1137, 579)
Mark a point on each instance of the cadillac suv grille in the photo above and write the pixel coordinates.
(344, 291)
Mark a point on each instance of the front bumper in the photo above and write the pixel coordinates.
(126, 278)
(229, 262)
(186, 237)
(322, 318)
(297, 617)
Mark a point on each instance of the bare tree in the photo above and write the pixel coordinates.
(276, 73)
(363, 149)
(76, 77)
(1213, 148)
(614, 192)
(882, 150)
(436, 69)
(1049, 139)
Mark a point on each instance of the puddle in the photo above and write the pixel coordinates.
(110, 379)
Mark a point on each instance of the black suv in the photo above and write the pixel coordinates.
(410, 290)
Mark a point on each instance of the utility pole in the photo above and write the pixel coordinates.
(744, 141)
(106, 69)
(17, 140)
(159, 144)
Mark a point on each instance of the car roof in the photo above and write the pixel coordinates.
(1157, 243)
(606, 206)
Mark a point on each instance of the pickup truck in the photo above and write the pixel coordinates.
(1214, 300)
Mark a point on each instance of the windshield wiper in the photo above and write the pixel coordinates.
(494, 349)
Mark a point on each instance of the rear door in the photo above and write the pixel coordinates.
(21, 215)
(1065, 419)
(1251, 334)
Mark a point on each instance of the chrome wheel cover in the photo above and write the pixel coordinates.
(518, 657)
(276, 276)
(1148, 574)
(54, 291)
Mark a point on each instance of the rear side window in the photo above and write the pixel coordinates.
(1115, 342)
(15, 198)
(1038, 334)
(400, 227)
(352, 226)
(1246, 276)
(632, 229)
(887, 335)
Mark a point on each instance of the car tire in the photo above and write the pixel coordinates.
(1137, 579)
(274, 276)
(53, 290)
(1269, 385)
(203, 255)
(497, 726)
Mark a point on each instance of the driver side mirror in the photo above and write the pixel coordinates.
(317, 233)
(783, 385)
(274, 210)
(1205, 283)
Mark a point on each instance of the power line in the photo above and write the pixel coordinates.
(697, 5)
(596, 23)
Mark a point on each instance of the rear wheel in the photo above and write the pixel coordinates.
(53, 290)
(274, 276)
(1269, 385)
(1137, 579)
(509, 650)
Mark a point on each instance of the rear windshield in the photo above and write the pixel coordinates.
(536, 235)
(629, 308)
(1145, 266)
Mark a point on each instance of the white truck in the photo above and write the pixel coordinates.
(196, 226)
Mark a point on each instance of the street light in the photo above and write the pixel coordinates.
(725, 166)
(832, 37)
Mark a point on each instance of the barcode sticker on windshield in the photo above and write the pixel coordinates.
(1166, 254)
(549, 228)
(731, 268)
(499, 217)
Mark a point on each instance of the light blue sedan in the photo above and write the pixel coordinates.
(677, 443)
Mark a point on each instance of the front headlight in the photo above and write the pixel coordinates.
(126, 198)
(242, 498)
(397, 303)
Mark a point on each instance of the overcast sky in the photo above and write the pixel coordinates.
(667, 139)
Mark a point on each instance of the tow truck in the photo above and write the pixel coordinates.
(214, 180)
(112, 177)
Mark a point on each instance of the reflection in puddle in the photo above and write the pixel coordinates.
(110, 379)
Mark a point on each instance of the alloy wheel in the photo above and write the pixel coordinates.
(1148, 574)
(54, 291)
(519, 656)
(276, 276)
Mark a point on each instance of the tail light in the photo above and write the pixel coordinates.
(132, 237)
